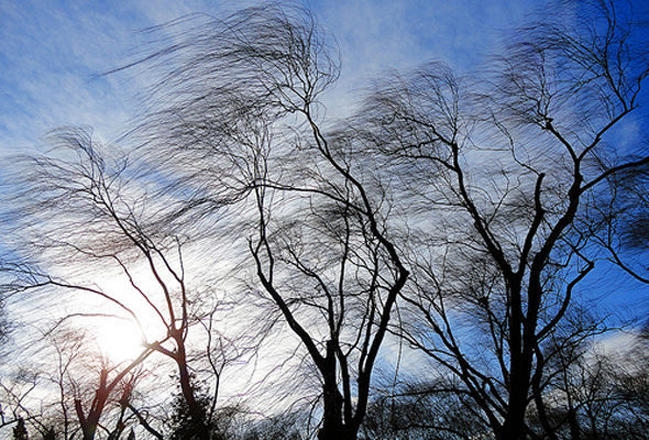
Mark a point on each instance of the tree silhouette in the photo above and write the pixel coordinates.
(240, 126)
(20, 430)
(472, 207)
(504, 171)
(82, 210)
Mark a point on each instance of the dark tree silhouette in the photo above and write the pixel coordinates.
(476, 204)
(85, 216)
(20, 430)
(501, 172)
(240, 122)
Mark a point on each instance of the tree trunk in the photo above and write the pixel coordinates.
(513, 427)
(337, 433)
(196, 411)
(333, 425)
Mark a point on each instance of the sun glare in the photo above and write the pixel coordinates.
(119, 340)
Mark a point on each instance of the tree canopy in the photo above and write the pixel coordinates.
(414, 270)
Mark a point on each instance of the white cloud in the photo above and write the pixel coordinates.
(51, 52)
(375, 36)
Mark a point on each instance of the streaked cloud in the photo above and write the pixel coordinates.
(52, 52)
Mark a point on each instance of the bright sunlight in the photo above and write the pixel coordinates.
(118, 339)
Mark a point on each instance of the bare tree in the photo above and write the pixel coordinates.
(599, 388)
(241, 122)
(73, 375)
(84, 217)
(500, 171)
(14, 395)
(471, 200)
(433, 410)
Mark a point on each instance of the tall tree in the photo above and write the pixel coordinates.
(85, 218)
(241, 122)
(599, 392)
(501, 171)
(473, 201)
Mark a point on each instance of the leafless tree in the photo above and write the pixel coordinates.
(501, 171)
(84, 220)
(241, 121)
(599, 389)
(14, 393)
(433, 411)
(481, 204)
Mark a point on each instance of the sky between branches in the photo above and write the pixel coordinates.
(54, 53)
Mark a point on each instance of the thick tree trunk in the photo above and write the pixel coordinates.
(196, 411)
(514, 427)
(90, 421)
(575, 431)
(333, 423)
(337, 433)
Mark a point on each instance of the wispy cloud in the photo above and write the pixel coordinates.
(51, 52)
(375, 36)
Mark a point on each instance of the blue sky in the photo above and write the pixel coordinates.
(52, 55)
(51, 52)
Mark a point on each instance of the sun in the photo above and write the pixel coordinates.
(119, 340)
